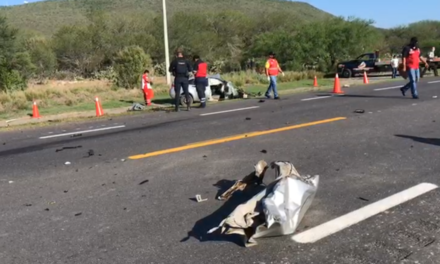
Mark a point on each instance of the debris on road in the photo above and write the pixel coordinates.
(28, 205)
(262, 101)
(91, 152)
(199, 198)
(67, 163)
(363, 199)
(248, 118)
(78, 214)
(359, 111)
(76, 135)
(255, 178)
(264, 151)
(275, 211)
(47, 210)
(10, 182)
(143, 182)
(64, 148)
(123, 160)
(435, 96)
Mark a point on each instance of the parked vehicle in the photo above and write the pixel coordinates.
(370, 63)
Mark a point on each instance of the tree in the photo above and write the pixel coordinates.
(129, 65)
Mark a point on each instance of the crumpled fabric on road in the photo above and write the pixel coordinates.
(275, 211)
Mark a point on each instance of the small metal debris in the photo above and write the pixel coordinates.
(78, 214)
(67, 163)
(64, 148)
(123, 160)
(11, 182)
(143, 182)
(359, 111)
(199, 198)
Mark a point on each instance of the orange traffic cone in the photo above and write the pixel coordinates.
(337, 86)
(315, 82)
(99, 111)
(35, 112)
(365, 78)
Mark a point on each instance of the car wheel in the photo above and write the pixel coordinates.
(183, 100)
(346, 73)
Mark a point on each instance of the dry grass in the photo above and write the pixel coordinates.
(73, 93)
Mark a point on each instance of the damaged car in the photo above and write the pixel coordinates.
(216, 86)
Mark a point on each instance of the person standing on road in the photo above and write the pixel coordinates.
(272, 70)
(201, 82)
(180, 68)
(411, 58)
(432, 65)
(394, 66)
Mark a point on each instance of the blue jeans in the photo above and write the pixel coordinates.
(414, 77)
(394, 71)
(272, 86)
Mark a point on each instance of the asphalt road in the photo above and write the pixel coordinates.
(94, 210)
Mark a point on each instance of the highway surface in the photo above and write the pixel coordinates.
(120, 190)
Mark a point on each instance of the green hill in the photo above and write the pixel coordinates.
(47, 16)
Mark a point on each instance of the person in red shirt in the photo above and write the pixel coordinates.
(411, 57)
(201, 82)
(146, 84)
(272, 70)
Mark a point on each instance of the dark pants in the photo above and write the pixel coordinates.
(432, 66)
(201, 83)
(394, 72)
(181, 83)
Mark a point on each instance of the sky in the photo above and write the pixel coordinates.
(386, 13)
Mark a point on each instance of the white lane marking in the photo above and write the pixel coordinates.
(314, 234)
(232, 110)
(82, 132)
(434, 82)
(315, 98)
(388, 88)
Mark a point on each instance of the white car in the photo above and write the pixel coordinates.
(215, 83)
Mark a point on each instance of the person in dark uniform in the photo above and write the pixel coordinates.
(200, 74)
(180, 68)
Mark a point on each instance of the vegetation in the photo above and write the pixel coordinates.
(114, 40)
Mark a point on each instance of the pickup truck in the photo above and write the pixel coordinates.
(370, 63)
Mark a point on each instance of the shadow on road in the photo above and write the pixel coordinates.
(201, 227)
(431, 141)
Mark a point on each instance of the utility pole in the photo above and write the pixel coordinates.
(167, 50)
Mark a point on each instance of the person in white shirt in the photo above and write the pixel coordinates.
(394, 66)
(432, 65)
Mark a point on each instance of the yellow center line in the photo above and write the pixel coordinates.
(232, 138)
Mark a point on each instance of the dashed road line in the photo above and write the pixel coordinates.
(316, 98)
(433, 82)
(319, 232)
(228, 111)
(82, 132)
(388, 88)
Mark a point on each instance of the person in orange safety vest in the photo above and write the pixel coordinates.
(272, 70)
(146, 88)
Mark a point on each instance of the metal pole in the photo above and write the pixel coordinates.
(167, 50)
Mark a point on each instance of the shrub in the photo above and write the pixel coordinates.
(129, 65)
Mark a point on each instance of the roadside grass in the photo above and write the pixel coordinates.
(61, 97)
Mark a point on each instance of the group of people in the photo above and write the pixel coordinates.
(181, 69)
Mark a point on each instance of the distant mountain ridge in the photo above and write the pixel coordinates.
(47, 16)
